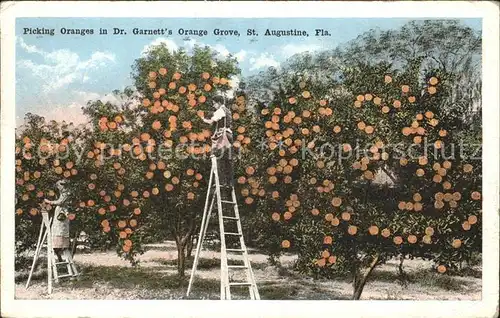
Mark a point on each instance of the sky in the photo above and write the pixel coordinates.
(56, 75)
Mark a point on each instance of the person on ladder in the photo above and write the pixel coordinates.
(222, 143)
(60, 227)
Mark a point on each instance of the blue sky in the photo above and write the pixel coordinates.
(56, 75)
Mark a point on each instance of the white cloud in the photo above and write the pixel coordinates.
(86, 96)
(189, 45)
(234, 85)
(71, 113)
(292, 49)
(263, 60)
(240, 56)
(169, 43)
(62, 67)
(221, 49)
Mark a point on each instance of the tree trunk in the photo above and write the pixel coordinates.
(181, 258)
(360, 279)
(402, 275)
(189, 248)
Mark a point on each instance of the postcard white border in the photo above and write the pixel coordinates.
(192, 308)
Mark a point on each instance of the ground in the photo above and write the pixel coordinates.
(106, 276)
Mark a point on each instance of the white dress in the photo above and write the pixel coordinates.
(60, 229)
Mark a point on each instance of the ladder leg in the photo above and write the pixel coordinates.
(37, 252)
(225, 292)
(67, 258)
(201, 236)
(72, 263)
(252, 289)
(50, 253)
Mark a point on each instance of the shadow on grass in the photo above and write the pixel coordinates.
(207, 263)
(424, 278)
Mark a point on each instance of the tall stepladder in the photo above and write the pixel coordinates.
(213, 195)
(45, 240)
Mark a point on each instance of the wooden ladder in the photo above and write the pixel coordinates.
(45, 240)
(225, 283)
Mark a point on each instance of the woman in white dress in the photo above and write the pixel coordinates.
(60, 224)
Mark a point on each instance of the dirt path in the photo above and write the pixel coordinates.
(106, 276)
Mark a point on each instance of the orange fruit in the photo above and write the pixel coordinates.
(369, 129)
(335, 222)
(321, 262)
(385, 109)
(433, 81)
(325, 254)
(417, 206)
(466, 225)
(412, 239)
(386, 233)
(373, 230)
(387, 79)
(456, 243)
(137, 211)
(432, 90)
(285, 244)
(377, 100)
(352, 229)
(360, 98)
(398, 240)
(438, 204)
(476, 195)
(429, 231)
(420, 172)
(467, 168)
(332, 259)
(336, 201)
(328, 240)
(346, 216)
(427, 239)
(441, 269)
(315, 212)
(275, 216)
(412, 99)
(437, 178)
(409, 206)
(396, 104)
(472, 219)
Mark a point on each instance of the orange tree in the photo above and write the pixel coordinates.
(171, 146)
(45, 153)
(335, 211)
(109, 191)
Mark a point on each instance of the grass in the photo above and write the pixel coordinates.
(158, 280)
(207, 263)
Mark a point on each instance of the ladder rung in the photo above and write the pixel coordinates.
(228, 202)
(234, 250)
(236, 234)
(230, 217)
(65, 275)
(60, 263)
(237, 266)
(240, 284)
